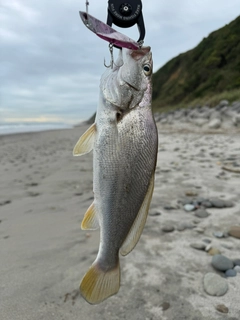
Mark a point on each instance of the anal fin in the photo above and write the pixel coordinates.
(139, 223)
(90, 219)
(85, 142)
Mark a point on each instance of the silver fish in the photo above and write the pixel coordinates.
(124, 140)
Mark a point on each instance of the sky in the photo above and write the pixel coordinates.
(51, 64)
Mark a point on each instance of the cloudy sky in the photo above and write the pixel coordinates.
(50, 63)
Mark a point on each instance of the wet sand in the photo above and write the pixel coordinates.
(44, 193)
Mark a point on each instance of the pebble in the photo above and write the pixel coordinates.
(170, 208)
(185, 225)
(206, 204)
(234, 231)
(221, 262)
(218, 234)
(165, 306)
(154, 213)
(213, 251)
(215, 285)
(201, 213)
(214, 124)
(237, 269)
(228, 204)
(199, 200)
(199, 230)
(191, 193)
(236, 262)
(207, 241)
(189, 207)
(217, 203)
(222, 308)
(231, 273)
(3, 203)
(198, 245)
(168, 228)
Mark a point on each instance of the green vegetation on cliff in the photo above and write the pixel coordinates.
(210, 69)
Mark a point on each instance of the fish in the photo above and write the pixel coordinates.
(124, 140)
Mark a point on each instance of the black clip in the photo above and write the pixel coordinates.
(126, 14)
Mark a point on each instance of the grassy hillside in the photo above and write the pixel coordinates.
(210, 69)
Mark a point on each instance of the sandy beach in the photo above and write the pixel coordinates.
(44, 193)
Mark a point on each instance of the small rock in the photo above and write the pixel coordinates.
(208, 247)
(32, 184)
(217, 203)
(168, 228)
(214, 124)
(3, 203)
(169, 208)
(191, 193)
(207, 241)
(236, 262)
(185, 225)
(213, 251)
(231, 273)
(199, 200)
(206, 204)
(199, 230)
(218, 234)
(221, 262)
(228, 204)
(189, 207)
(198, 245)
(165, 306)
(215, 285)
(237, 269)
(201, 213)
(234, 231)
(223, 103)
(154, 213)
(222, 308)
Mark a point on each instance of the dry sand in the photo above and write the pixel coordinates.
(44, 193)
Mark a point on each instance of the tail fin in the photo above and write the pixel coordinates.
(97, 284)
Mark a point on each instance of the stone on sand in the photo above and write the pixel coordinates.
(222, 308)
(201, 213)
(215, 285)
(231, 273)
(221, 262)
(198, 245)
(234, 231)
(214, 124)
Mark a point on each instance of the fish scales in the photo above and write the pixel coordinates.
(124, 140)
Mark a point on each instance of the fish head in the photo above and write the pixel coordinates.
(130, 79)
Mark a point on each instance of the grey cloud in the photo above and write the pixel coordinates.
(51, 64)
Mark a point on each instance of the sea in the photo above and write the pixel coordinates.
(10, 128)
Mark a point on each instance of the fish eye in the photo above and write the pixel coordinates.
(147, 69)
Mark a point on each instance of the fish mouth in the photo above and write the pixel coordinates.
(131, 86)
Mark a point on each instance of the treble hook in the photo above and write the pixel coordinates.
(112, 59)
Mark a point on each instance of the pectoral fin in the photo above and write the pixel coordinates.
(139, 223)
(90, 219)
(85, 142)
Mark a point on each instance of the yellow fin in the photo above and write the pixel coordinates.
(85, 142)
(139, 223)
(98, 285)
(90, 219)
